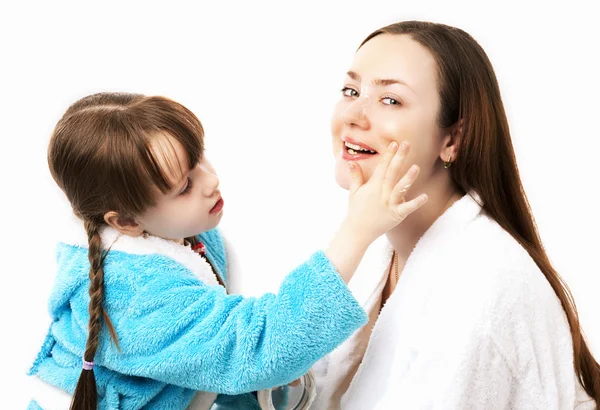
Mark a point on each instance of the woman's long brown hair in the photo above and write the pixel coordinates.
(100, 156)
(486, 161)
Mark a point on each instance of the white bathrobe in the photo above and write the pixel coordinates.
(472, 324)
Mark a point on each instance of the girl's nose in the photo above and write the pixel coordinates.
(210, 182)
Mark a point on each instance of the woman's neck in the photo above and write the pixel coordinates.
(405, 236)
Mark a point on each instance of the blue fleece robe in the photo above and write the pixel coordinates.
(179, 335)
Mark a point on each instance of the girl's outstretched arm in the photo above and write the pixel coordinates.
(183, 332)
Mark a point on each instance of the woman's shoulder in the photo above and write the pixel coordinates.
(513, 288)
(492, 273)
(491, 259)
(488, 288)
(489, 243)
(520, 311)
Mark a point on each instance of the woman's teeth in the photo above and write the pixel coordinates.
(357, 149)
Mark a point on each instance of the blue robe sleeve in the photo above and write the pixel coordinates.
(183, 332)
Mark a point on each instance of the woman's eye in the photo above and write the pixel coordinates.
(390, 101)
(188, 187)
(349, 92)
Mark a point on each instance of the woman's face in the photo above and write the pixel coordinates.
(389, 94)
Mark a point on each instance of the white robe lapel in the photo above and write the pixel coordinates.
(334, 372)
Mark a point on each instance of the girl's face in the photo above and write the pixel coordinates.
(389, 94)
(193, 206)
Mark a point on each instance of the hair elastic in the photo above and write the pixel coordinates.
(88, 365)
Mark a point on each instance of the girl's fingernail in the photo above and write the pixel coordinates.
(404, 146)
(394, 145)
(423, 198)
(413, 170)
(351, 166)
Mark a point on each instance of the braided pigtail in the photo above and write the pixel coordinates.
(86, 393)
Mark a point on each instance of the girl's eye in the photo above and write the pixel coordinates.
(349, 92)
(188, 187)
(390, 101)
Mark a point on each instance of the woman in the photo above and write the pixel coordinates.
(465, 310)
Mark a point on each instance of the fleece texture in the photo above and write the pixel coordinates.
(180, 332)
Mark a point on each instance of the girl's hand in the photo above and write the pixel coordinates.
(374, 208)
(377, 206)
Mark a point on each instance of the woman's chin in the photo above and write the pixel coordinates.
(342, 175)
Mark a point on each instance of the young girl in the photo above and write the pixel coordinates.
(141, 318)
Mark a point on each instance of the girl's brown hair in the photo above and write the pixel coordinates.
(486, 162)
(100, 156)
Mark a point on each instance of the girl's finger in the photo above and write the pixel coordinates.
(393, 174)
(407, 208)
(356, 176)
(399, 193)
(384, 163)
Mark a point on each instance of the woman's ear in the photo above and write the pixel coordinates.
(127, 226)
(450, 143)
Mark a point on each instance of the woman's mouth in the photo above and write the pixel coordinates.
(355, 151)
(218, 206)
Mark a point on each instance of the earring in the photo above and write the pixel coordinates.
(448, 163)
(145, 235)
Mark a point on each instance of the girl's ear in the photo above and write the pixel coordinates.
(127, 226)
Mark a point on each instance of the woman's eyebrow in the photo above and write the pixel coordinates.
(380, 82)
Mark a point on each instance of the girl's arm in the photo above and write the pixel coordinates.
(180, 331)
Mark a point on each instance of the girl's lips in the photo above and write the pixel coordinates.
(218, 206)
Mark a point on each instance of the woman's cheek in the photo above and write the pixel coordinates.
(337, 121)
(386, 124)
(401, 127)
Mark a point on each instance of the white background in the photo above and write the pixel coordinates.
(263, 79)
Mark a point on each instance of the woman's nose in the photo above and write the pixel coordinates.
(357, 113)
